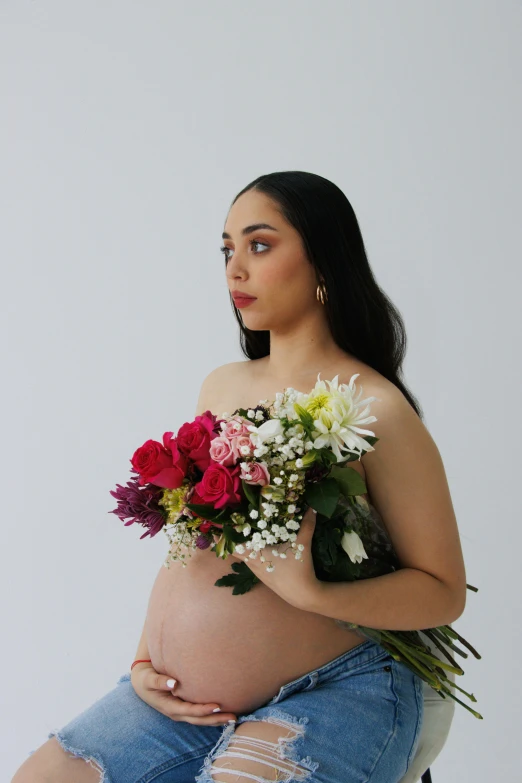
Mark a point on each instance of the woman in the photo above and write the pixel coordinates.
(273, 684)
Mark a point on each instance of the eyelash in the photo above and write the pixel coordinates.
(252, 242)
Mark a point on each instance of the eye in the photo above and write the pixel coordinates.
(226, 250)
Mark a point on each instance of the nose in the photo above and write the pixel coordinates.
(235, 268)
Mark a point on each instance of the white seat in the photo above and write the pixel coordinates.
(438, 716)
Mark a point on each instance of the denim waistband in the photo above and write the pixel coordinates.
(354, 658)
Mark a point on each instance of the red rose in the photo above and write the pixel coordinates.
(194, 439)
(220, 485)
(160, 465)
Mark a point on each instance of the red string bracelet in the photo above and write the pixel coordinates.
(141, 660)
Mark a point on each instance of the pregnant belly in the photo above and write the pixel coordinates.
(236, 650)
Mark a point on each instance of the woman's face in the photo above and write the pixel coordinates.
(268, 263)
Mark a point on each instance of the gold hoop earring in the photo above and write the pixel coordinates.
(321, 293)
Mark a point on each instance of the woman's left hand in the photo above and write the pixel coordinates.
(294, 580)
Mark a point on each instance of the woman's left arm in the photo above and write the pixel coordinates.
(407, 484)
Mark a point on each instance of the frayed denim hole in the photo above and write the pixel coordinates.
(91, 759)
(285, 749)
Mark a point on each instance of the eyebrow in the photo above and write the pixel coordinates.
(250, 229)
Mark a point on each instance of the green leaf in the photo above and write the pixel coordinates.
(323, 496)
(307, 420)
(242, 581)
(372, 440)
(242, 412)
(250, 493)
(328, 456)
(350, 482)
(207, 512)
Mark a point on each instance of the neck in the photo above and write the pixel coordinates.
(302, 350)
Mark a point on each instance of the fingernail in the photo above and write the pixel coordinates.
(171, 683)
(218, 709)
(231, 721)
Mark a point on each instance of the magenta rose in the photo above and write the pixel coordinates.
(221, 451)
(220, 485)
(258, 472)
(160, 465)
(194, 439)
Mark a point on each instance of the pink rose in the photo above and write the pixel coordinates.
(194, 439)
(221, 451)
(236, 426)
(162, 465)
(258, 472)
(238, 443)
(220, 485)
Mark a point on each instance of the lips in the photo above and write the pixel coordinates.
(242, 300)
(242, 297)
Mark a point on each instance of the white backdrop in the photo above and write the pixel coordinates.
(127, 128)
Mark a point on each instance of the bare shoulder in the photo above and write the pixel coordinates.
(399, 428)
(216, 382)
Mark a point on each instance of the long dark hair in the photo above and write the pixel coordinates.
(363, 320)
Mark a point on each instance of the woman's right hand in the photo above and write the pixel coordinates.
(156, 690)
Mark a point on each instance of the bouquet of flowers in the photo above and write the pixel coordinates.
(242, 482)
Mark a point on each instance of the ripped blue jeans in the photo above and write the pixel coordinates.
(357, 719)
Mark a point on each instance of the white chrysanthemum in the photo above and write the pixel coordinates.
(337, 416)
(353, 546)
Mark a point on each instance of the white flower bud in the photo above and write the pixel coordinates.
(353, 546)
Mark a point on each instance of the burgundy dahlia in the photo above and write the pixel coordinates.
(140, 504)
